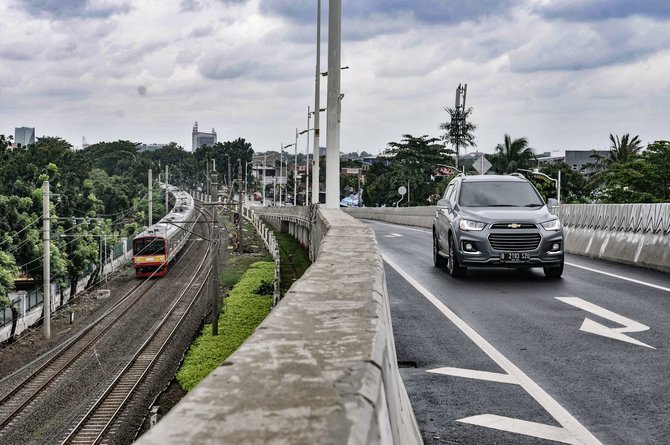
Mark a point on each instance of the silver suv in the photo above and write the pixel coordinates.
(496, 221)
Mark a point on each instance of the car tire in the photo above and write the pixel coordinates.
(453, 266)
(438, 260)
(554, 272)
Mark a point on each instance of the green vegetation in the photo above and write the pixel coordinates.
(294, 260)
(245, 310)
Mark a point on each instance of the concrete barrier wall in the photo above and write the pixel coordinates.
(407, 216)
(320, 369)
(637, 234)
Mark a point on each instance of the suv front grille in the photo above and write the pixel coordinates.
(514, 242)
(514, 226)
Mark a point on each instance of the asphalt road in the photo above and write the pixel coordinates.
(510, 357)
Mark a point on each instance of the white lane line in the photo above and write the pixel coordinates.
(621, 277)
(474, 374)
(562, 416)
(525, 427)
(599, 329)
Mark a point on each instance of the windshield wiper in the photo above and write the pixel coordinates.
(533, 205)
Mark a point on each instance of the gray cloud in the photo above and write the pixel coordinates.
(598, 10)
(427, 11)
(64, 9)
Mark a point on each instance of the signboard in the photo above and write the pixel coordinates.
(482, 165)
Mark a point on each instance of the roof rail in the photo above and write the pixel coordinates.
(517, 174)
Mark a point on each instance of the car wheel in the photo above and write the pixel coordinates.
(453, 266)
(438, 260)
(554, 272)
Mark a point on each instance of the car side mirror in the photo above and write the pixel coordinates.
(444, 203)
(552, 202)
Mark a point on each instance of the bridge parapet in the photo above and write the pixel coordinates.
(320, 369)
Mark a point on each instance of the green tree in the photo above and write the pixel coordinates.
(8, 273)
(512, 155)
(411, 163)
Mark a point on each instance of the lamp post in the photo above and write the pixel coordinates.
(307, 159)
(281, 162)
(555, 181)
(295, 169)
(317, 107)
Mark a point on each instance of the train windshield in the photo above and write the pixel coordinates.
(149, 246)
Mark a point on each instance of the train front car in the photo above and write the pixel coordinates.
(149, 253)
(158, 246)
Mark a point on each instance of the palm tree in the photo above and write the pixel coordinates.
(513, 155)
(622, 151)
(459, 131)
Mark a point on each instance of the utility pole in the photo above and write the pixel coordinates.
(150, 187)
(333, 106)
(458, 127)
(214, 281)
(239, 212)
(167, 210)
(47, 259)
(317, 98)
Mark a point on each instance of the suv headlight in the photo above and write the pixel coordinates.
(466, 224)
(552, 225)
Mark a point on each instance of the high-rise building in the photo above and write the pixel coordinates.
(200, 138)
(24, 136)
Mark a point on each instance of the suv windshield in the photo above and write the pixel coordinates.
(499, 194)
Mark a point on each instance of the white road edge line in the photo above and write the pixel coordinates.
(632, 280)
(562, 416)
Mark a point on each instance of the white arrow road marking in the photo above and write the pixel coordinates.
(474, 374)
(575, 431)
(392, 235)
(594, 327)
(524, 427)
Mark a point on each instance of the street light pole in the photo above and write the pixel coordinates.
(295, 169)
(317, 97)
(334, 99)
(307, 162)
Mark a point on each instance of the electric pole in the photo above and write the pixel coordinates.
(240, 190)
(151, 190)
(47, 259)
(215, 255)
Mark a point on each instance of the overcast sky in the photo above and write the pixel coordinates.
(563, 73)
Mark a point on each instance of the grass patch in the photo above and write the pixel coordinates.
(245, 310)
(294, 260)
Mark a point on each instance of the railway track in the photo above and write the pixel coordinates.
(15, 402)
(97, 422)
(93, 419)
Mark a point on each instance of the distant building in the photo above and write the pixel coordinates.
(149, 147)
(579, 160)
(200, 138)
(24, 136)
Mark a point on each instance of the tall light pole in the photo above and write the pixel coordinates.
(317, 97)
(334, 98)
(307, 160)
(265, 163)
(295, 169)
(281, 162)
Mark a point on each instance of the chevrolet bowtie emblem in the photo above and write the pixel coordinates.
(514, 226)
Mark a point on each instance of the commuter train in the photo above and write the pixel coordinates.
(157, 246)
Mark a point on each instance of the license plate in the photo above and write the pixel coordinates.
(515, 257)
